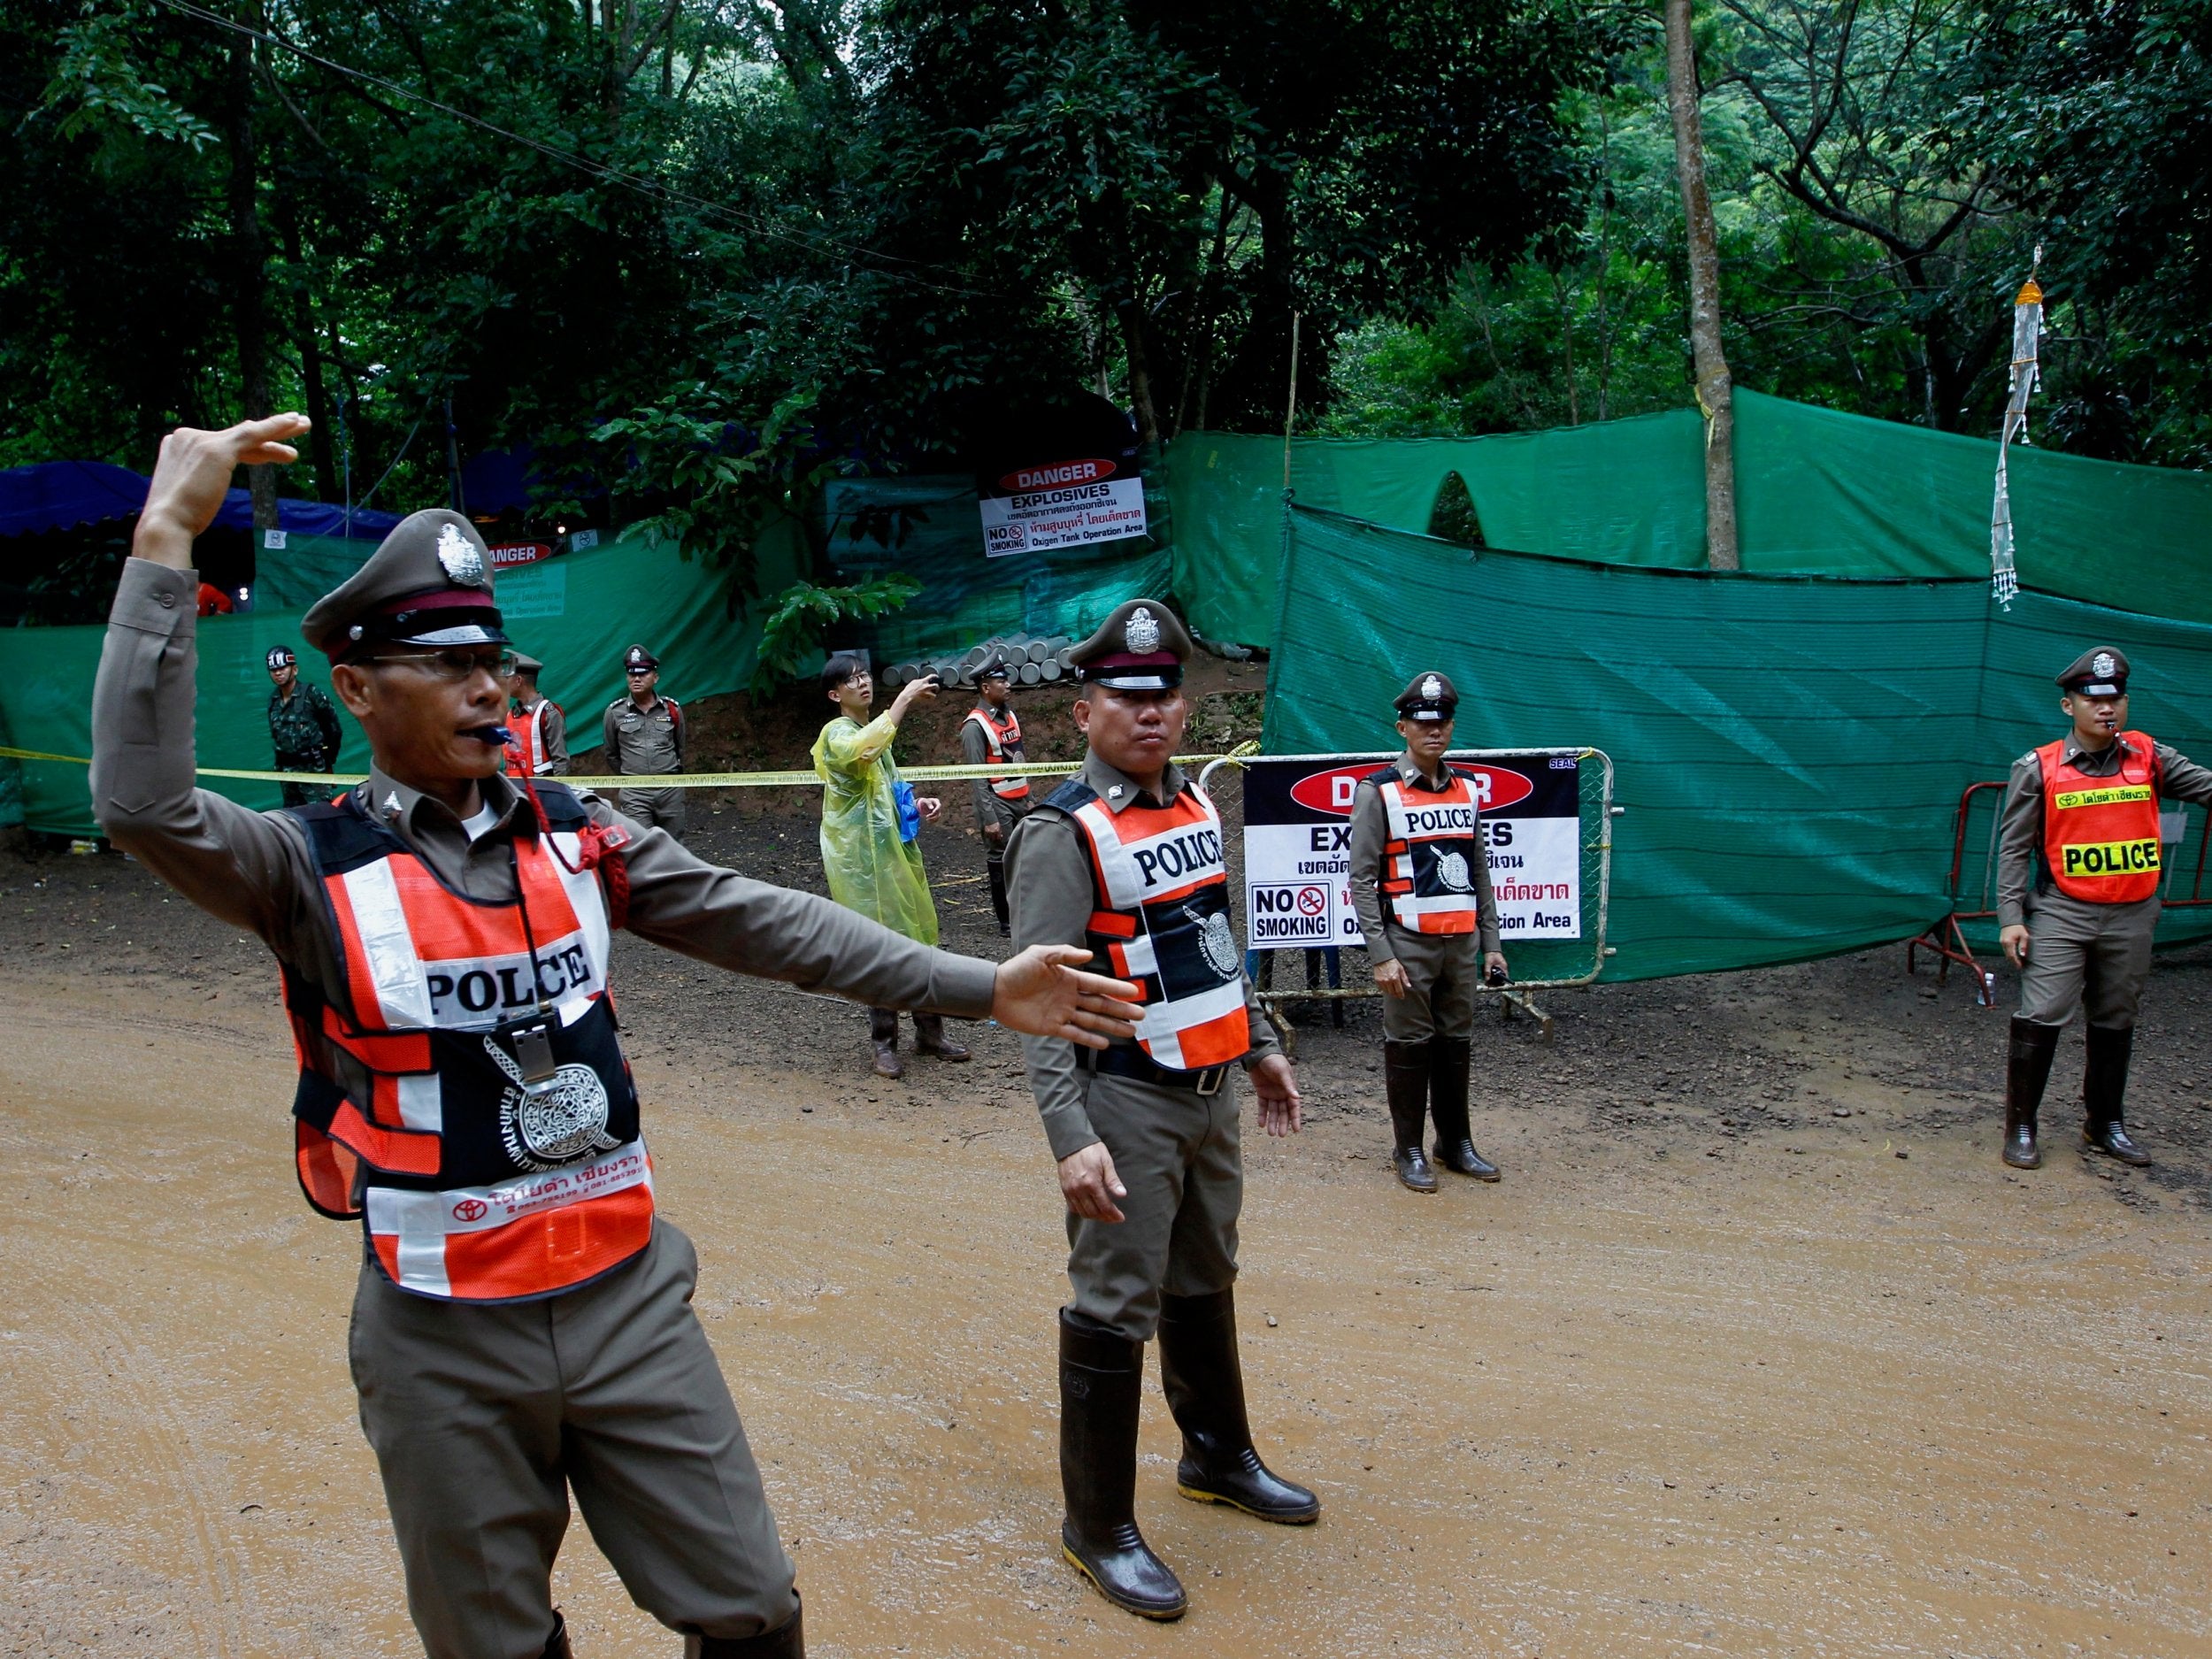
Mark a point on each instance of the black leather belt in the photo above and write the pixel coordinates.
(1129, 1061)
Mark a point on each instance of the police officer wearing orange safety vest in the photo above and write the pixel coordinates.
(539, 729)
(1420, 878)
(1125, 859)
(2078, 862)
(522, 1329)
(992, 736)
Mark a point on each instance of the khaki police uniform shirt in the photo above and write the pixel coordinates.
(1051, 891)
(2021, 866)
(253, 870)
(1371, 832)
(648, 741)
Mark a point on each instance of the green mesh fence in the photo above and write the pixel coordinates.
(1817, 493)
(1790, 751)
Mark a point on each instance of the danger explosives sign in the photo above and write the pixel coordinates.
(1298, 844)
(1062, 503)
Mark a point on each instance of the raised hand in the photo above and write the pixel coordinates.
(1043, 993)
(192, 476)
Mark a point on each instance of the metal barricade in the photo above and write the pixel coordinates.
(1946, 939)
(1594, 849)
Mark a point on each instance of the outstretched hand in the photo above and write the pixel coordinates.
(1044, 992)
(192, 476)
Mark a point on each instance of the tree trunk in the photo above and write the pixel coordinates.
(321, 447)
(251, 276)
(1714, 391)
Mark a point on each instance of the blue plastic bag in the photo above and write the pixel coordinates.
(909, 814)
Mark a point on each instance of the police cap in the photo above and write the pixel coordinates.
(1428, 696)
(429, 582)
(993, 667)
(2099, 671)
(638, 657)
(526, 663)
(1142, 646)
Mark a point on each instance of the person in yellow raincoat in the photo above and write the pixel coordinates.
(870, 823)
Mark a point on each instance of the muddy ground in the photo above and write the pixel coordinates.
(1756, 1350)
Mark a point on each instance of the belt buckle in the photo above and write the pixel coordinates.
(1210, 1080)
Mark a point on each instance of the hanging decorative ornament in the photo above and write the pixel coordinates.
(2027, 329)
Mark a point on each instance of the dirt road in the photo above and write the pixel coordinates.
(1714, 1370)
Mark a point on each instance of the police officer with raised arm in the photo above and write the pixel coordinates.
(2078, 864)
(522, 1330)
(1420, 877)
(1126, 860)
(992, 736)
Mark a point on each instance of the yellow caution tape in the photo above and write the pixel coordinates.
(671, 779)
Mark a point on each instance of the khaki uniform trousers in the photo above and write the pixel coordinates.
(1443, 971)
(1177, 1152)
(655, 808)
(484, 1418)
(2098, 955)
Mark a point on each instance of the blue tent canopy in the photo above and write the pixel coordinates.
(64, 495)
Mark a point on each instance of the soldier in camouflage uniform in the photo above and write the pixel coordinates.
(303, 726)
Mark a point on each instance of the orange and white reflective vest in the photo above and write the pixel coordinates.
(1002, 741)
(1161, 918)
(415, 1110)
(526, 755)
(1431, 854)
(2100, 835)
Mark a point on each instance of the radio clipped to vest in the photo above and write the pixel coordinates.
(463, 1093)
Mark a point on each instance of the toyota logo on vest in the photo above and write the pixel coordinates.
(1331, 791)
(471, 1210)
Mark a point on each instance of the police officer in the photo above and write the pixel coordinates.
(2078, 872)
(644, 737)
(303, 726)
(540, 748)
(523, 1329)
(992, 736)
(1125, 858)
(1420, 878)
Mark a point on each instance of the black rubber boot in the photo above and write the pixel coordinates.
(556, 1644)
(2104, 1087)
(1205, 1390)
(1450, 1059)
(2027, 1069)
(1101, 1385)
(1406, 1082)
(788, 1640)
(883, 1032)
(929, 1038)
(996, 869)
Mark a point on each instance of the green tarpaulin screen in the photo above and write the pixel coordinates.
(1817, 493)
(1791, 750)
(574, 613)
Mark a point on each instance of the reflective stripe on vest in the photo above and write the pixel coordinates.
(473, 1181)
(1162, 893)
(2100, 836)
(1001, 743)
(1429, 862)
(526, 757)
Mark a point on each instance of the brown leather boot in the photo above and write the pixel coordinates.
(2104, 1085)
(929, 1038)
(883, 1031)
(2027, 1069)
(1406, 1082)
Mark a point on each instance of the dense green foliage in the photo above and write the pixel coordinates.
(702, 253)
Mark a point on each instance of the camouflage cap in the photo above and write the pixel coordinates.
(1142, 646)
(429, 582)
